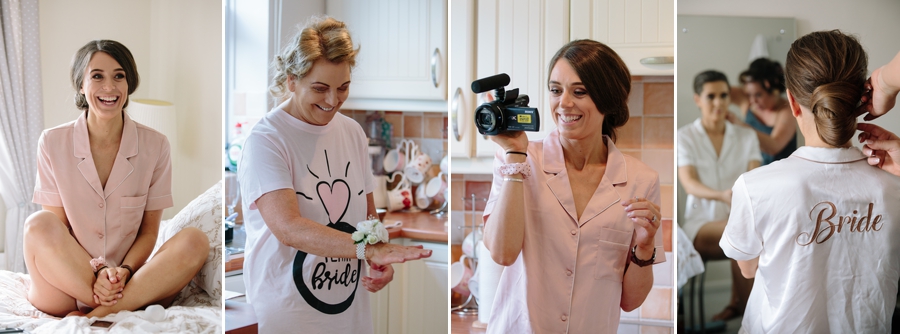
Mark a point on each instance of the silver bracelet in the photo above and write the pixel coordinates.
(361, 251)
(512, 179)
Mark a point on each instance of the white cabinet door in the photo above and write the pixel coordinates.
(403, 47)
(519, 38)
(462, 67)
(637, 30)
(426, 296)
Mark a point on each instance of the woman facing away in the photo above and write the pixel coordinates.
(712, 154)
(817, 229)
(765, 110)
(103, 181)
(306, 183)
(574, 220)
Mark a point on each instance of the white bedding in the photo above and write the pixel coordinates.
(194, 311)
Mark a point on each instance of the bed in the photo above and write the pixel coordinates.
(197, 309)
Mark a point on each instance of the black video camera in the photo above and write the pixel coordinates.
(508, 112)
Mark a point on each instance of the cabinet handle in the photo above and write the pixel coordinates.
(454, 112)
(435, 66)
(657, 60)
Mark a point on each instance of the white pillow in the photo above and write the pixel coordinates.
(204, 213)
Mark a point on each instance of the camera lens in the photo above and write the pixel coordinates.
(485, 119)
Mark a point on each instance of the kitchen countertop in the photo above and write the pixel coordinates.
(416, 225)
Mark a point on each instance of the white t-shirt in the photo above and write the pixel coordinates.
(824, 226)
(718, 172)
(327, 166)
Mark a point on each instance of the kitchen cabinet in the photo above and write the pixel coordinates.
(403, 52)
(416, 301)
(462, 67)
(636, 30)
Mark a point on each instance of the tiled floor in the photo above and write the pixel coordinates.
(715, 300)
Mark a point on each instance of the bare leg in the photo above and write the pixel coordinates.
(707, 241)
(59, 267)
(707, 244)
(169, 271)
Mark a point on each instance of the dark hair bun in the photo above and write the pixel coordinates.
(826, 72)
(833, 105)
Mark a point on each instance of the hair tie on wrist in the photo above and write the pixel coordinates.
(517, 152)
(130, 272)
(97, 272)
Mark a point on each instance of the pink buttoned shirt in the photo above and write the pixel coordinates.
(140, 180)
(568, 277)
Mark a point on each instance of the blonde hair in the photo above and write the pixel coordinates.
(322, 37)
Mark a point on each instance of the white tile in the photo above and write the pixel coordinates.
(629, 329)
(633, 314)
(662, 273)
(457, 221)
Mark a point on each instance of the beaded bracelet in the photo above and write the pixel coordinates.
(370, 231)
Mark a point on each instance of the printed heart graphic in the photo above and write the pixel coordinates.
(335, 197)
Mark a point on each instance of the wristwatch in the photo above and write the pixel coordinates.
(639, 262)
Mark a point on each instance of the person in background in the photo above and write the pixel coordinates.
(712, 153)
(305, 177)
(764, 109)
(881, 146)
(817, 229)
(575, 221)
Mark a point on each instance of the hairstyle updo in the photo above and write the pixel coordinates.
(322, 37)
(707, 77)
(767, 73)
(826, 72)
(605, 77)
(82, 59)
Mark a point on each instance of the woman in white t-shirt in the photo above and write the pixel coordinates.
(818, 229)
(712, 153)
(306, 183)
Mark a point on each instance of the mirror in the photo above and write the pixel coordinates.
(722, 43)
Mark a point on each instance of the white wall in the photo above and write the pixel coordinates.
(875, 22)
(178, 49)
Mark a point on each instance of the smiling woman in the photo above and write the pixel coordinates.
(306, 186)
(103, 181)
(603, 205)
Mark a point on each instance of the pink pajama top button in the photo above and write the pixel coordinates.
(564, 317)
(574, 232)
(568, 273)
(100, 205)
(100, 235)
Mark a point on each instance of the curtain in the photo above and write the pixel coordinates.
(21, 119)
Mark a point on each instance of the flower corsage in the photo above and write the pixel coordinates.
(370, 232)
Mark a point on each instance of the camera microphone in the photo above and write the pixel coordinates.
(490, 83)
(508, 111)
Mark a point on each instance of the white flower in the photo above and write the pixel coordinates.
(365, 226)
(382, 234)
(372, 239)
(358, 236)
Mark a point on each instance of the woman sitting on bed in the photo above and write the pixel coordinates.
(103, 181)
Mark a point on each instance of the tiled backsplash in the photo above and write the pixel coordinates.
(648, 136)
(427, 129)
